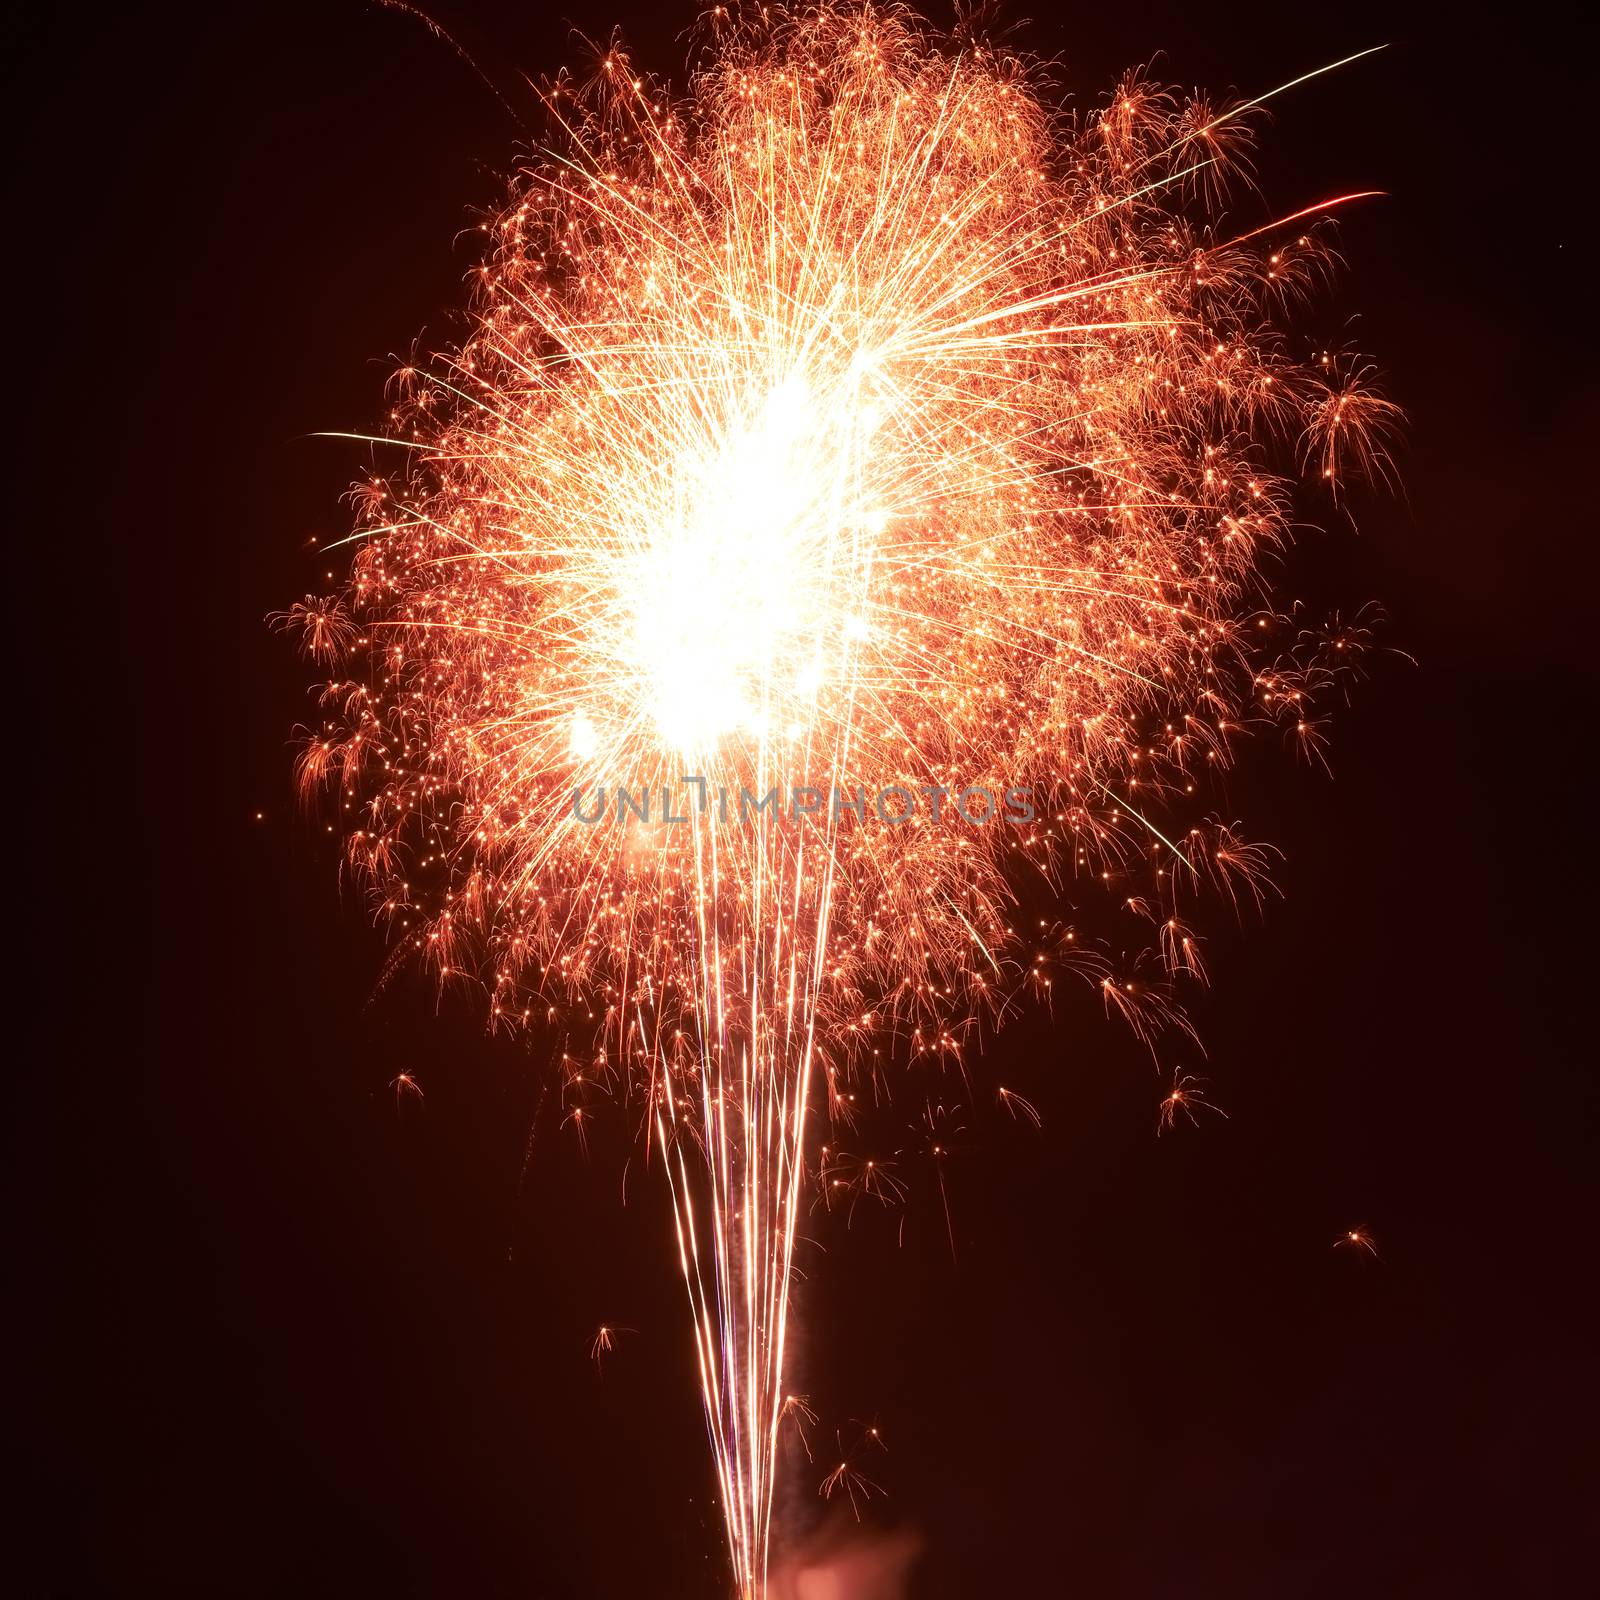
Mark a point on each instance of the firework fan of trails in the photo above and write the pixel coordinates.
(857, 425)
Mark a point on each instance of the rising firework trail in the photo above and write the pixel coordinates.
(845, 505)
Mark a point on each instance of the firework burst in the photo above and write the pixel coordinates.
(852, 427)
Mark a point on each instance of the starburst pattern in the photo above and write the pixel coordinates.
(852, 425)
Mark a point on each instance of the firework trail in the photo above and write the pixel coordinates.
(849, 439)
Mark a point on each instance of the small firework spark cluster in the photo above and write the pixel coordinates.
(852, 415)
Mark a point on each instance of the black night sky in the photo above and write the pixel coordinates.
(280, 1335)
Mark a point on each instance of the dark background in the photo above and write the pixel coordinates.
(280, 1334)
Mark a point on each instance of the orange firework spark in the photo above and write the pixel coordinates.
(604, 1342)
(851, 428)
(847, 1475)
(1181, 1100)
(1357, 1240)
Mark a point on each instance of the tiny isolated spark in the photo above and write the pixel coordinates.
(1183, 1099)
(404, 1084)
(1017, 1106)
(798, 1413)
(870, 1435)
(574, 1119)
(847, 1476)
(856, 1485)
(1358, 1241)
(604, 1342)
